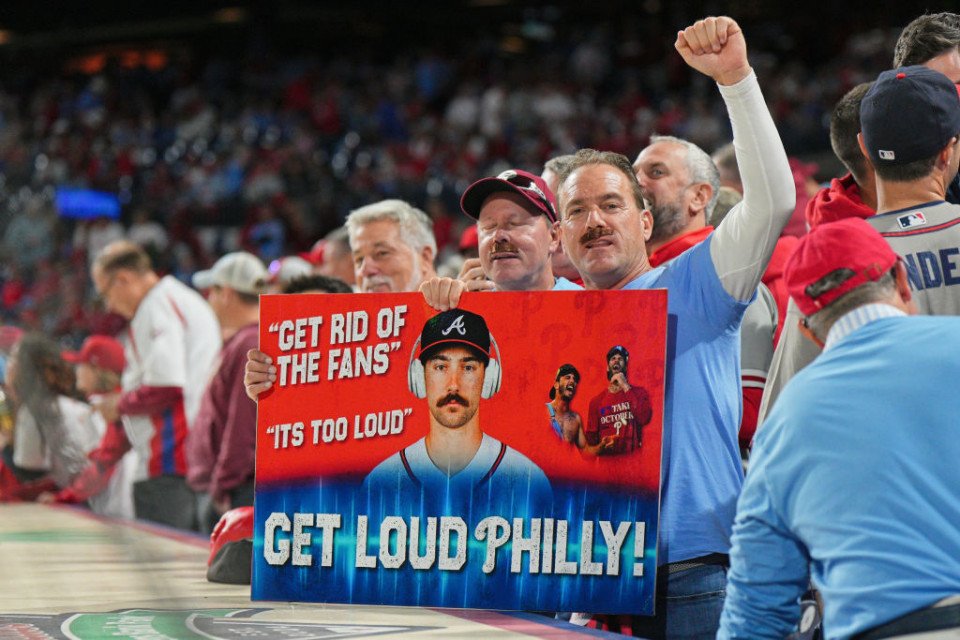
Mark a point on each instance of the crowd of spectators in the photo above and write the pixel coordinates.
(209, 155)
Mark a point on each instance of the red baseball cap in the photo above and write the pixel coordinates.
(315, 256)
(849, 245)
(99, 351)
(9, 336)
(469, 239)
(531, 187)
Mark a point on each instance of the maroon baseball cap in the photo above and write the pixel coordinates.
(531, 187)
(103, 352)
(851, 246)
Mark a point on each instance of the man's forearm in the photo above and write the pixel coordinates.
(742, 245)
(146, 400)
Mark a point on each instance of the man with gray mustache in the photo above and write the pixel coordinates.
(393, 250)
(393, 247)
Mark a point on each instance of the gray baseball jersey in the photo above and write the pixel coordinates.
(927, 237)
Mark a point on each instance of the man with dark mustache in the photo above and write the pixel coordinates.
(604, 227)
(457, 364)
(516, 216)
(618, 413)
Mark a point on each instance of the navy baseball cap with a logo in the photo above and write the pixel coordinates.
(452, 328)
(531, 187)
(909, 114)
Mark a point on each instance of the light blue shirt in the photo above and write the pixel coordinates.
(702, 473)
(562, 284)
(854, 482)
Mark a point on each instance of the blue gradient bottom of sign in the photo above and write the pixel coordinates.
(470, 586)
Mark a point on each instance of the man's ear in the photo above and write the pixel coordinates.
(646, 219)
(863, 147)
(903, 288)
(946, 154)
(808, 333)
(555, 246)
(702, 192)
(426, 255)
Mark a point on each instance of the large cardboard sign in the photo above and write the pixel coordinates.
(502, 455)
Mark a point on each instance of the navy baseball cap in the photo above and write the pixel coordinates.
(455, 327)
(618, 349)
(909, 114)
(531, 187)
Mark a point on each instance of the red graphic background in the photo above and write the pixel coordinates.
(536, 333)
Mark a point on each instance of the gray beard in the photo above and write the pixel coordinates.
(668, 221)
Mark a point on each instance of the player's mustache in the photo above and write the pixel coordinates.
(595, 232)
(452, 397)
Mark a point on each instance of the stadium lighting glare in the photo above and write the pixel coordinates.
(230, 15)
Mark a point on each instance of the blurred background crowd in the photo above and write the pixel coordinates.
(223, 127)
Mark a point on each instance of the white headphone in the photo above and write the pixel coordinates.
(491, 373)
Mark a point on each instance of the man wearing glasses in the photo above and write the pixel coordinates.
(170, 347)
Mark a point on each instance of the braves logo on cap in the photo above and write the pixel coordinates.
(457, 325)
(912, 220)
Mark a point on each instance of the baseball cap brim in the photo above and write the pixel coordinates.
(477, 193)
(425, 353)
(204, 279)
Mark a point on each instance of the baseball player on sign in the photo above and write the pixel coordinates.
(457, 365)
(618, 413)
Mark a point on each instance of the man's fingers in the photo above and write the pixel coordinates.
(450, 293)
(476, 273)
(710, 31)
(432, 293)
(723, 28)
(471, 267)
(254, 390)
(258, 377)
(259, 367)
(442, 293)
(479, 285)
(692, 36)
(255, 355)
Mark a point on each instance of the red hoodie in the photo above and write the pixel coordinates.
(838, 201)
(773, 277)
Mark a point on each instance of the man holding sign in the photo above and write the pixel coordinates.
(457, 365)
(604, 226)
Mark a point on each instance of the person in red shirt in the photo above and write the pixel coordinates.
(618, 413)
(100, 363)
(220, 447)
